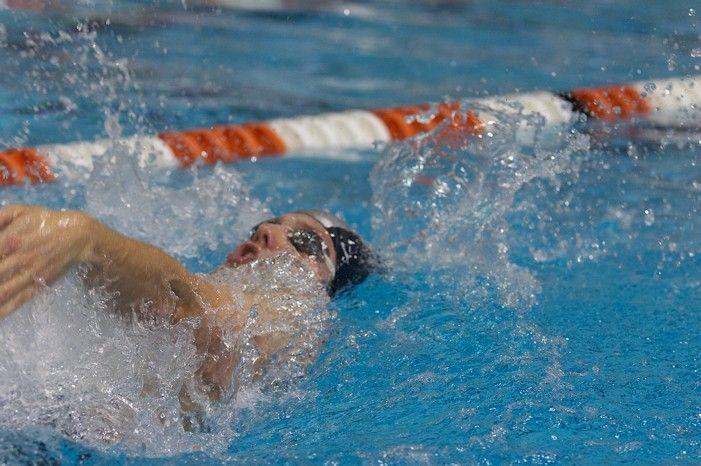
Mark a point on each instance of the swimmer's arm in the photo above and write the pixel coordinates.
(145, 279)
(138, 271)
(38, 246)
(143, 276)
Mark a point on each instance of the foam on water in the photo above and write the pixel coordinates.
(74, 366)
(443, 208)
(300, 303)
(208, 211)
(442, 201)
(203, 212)
(482, 229)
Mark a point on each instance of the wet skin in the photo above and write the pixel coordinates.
(39, 245)
(299, 235)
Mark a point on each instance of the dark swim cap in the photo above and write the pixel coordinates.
(354, 259)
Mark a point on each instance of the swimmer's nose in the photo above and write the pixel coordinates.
(267, 237)
(270, 236)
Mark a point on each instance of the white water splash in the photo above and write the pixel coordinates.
(442, 200)
(73, 365)
(208, 210)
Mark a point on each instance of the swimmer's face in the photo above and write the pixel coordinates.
(299, 235)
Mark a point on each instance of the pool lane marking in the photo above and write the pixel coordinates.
(16, 165)
(668, 102)
(223, 143)
(552, 107)
(340, 130)
(611, 103)
(670, 107)
(76, 157)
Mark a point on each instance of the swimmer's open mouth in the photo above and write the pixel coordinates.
(245, 253)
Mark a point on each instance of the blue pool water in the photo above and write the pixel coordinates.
(542, 307)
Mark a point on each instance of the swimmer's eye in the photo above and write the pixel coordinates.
(308, 243)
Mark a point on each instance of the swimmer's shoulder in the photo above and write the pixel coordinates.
(198, 297)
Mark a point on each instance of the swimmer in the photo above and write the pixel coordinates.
(39, 245)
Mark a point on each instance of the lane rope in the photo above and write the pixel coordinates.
(674, 102)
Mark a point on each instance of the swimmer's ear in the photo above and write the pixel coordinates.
(355, 262)
(372, 266)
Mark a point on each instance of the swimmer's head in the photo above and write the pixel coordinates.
(335, 253)
(354, 260)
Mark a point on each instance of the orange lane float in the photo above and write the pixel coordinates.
(18, 165)
(612, 103)
(672, 102)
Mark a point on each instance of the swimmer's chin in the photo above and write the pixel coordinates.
(277, 272)
(251, 264)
